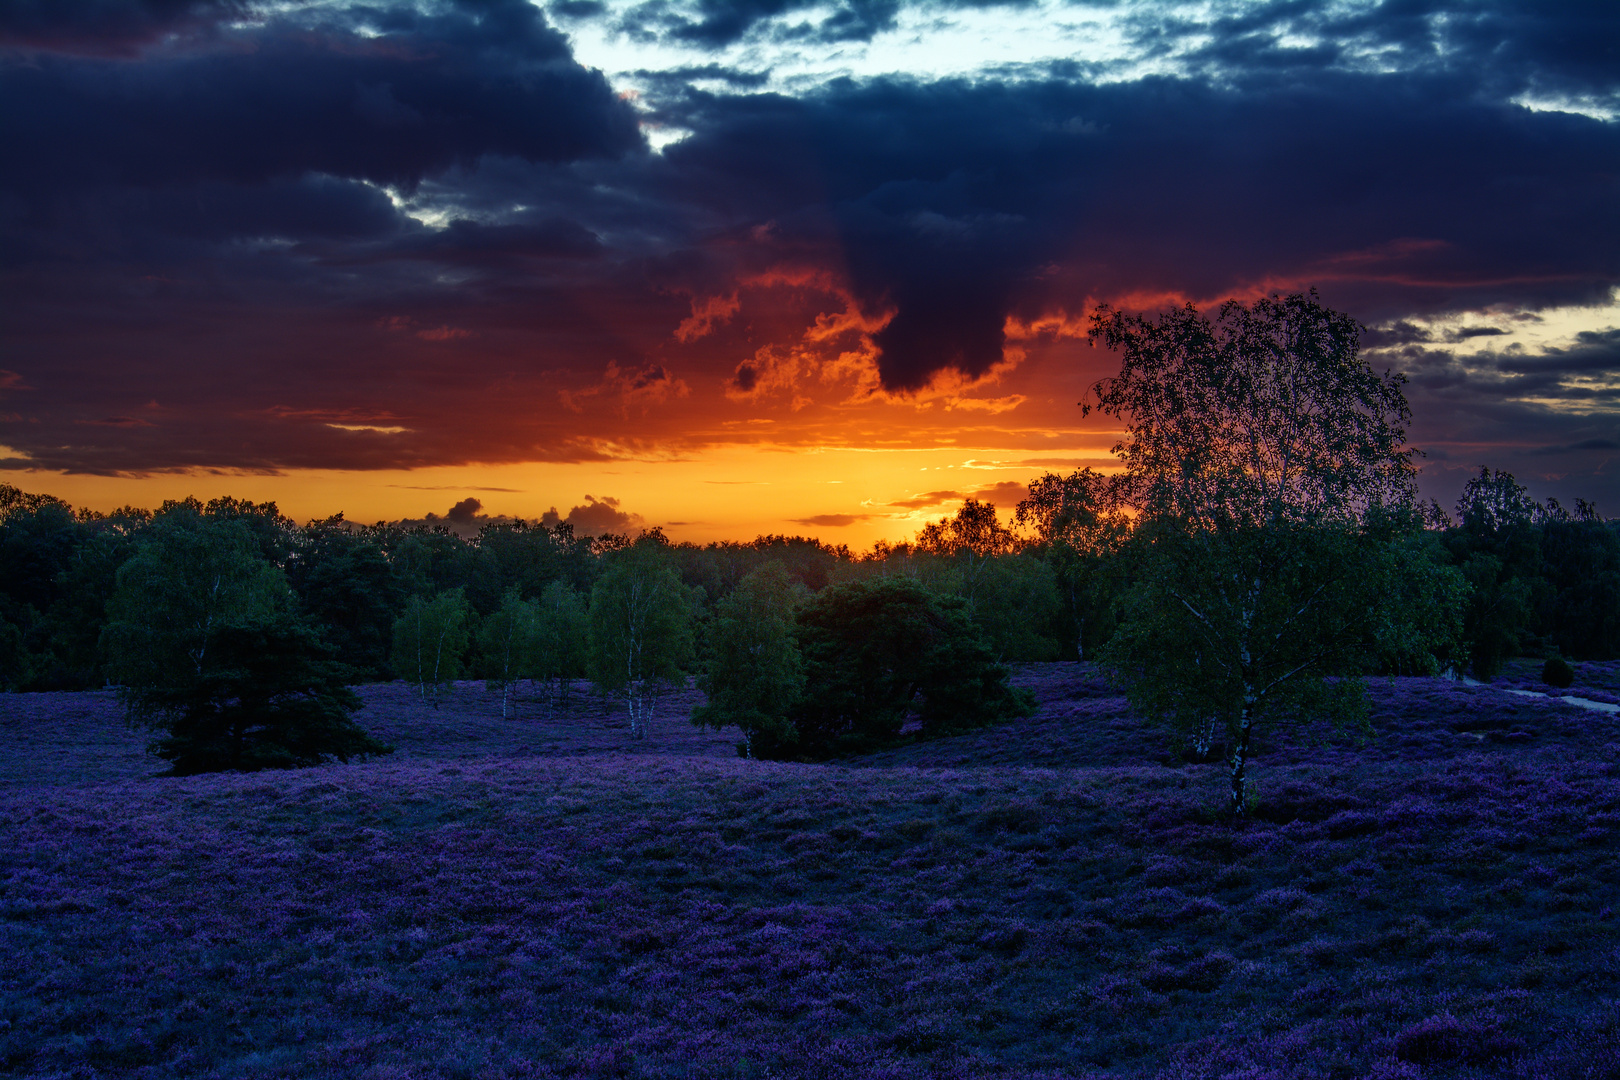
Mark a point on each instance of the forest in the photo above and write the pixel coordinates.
(1526, 579)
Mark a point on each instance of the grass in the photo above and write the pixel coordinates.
(1055, 898)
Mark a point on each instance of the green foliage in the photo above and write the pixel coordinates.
(1579, 608)
(1558, 672)
(641, 619)
(345, 583)
(1498, 617)
(1079, 531)
(1498, 549)
(969, 541)
(39, 539)
(1015, 605)
(1494, 505)
(16, 667)
(190, 576)
(563, 629)
(269, 695)
(203, 641)
(1259, 449)
(430, 641)
(509, 645)
(1011, 597)
(85, 587)
(1420, 624)
(753, 674)
(875, 651)
(1243, 626)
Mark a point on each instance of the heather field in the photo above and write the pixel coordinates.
(1059, 897)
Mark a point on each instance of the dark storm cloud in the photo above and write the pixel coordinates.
(715, 23)
(195, 234)
(1548, 415)
(1594, 352)
(956, 204)
(111, 27)
(383, 95)
(1584, 445)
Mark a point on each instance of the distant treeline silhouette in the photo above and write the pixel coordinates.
(1543, 579)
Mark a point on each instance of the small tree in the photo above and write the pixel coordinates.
(269, 696)
(641, 626)
(430, 639)
(1079, 532)
(1256, 446)
(753, 674)
(509, 646)
(208, 654)
(562, 649)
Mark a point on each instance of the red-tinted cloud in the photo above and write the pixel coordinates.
(414, 235)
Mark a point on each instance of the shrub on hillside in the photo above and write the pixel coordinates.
(1557, 672)
(268, 696)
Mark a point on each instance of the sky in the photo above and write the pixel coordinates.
(735, 267)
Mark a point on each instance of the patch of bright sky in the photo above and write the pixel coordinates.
(926, 42)
(417, 208)
(1530, 331)
(1606, 109)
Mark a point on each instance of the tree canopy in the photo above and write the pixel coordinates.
(753, 673)
(1265, 412)
(1257, 447)
(210, 654)
(878, 651)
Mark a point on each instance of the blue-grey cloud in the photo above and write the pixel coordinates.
(228, 238)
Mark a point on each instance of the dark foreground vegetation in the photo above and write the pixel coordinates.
(1060, 896)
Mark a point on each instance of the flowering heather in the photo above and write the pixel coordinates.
(1058, 897)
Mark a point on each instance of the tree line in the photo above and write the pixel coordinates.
(1260, 549)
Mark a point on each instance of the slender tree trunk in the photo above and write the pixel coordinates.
(1240, 759)
(421, 664)
(438, 655)
(1204, 738)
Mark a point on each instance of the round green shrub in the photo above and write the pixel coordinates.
(1557, 672)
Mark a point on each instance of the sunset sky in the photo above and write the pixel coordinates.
(756, 266)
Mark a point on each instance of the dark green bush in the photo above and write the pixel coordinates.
(1557, 672)
(879, 652)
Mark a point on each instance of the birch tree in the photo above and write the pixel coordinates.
(1256, 447)
(562, 649)
(508, 646)
(641, 620)
(753, 674)
(430, 639)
